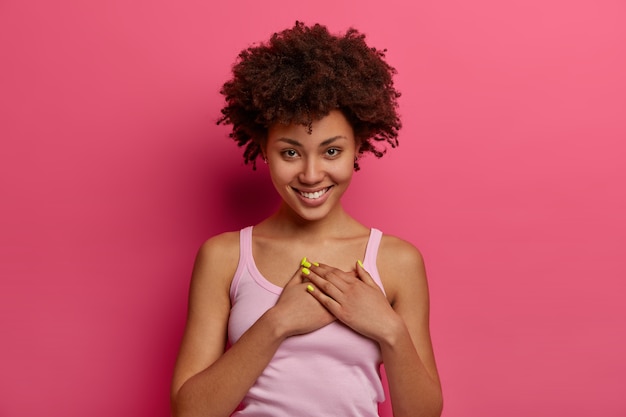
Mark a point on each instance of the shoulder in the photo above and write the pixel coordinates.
(222, 245)
(396, 251)
(217, 259)
(401, 266)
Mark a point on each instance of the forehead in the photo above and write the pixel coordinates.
(334, 125)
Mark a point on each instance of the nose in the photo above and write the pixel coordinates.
(312, 171)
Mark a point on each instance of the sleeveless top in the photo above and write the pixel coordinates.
(333, 371)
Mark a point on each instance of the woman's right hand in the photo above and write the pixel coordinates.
(299, 312)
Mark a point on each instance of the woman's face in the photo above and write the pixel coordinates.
(311, 171)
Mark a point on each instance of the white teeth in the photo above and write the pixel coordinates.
(314, 195)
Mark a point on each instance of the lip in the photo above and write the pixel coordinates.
(313, 202)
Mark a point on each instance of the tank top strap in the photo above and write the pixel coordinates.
(245, 255)
(371, 254)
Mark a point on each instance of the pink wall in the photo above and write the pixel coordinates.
(510, 178)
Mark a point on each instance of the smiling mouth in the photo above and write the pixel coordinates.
(315, 195)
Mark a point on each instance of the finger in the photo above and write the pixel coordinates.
(364, 275)
(325, 286)
(296, 278)
(336, 276)
(328, 302)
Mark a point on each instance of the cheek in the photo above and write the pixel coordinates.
(281, 173)
(344, 173)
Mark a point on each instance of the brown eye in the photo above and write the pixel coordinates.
(290, 153)
(332, 152)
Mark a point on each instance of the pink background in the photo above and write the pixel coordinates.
(510, 177)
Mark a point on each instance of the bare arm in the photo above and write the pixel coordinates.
(414, 384)
(207, 381)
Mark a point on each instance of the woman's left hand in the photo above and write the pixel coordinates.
(354, 299)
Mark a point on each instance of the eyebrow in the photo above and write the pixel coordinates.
(324, 143)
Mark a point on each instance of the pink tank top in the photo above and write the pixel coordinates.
(333, 371)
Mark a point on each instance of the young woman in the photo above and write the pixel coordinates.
(293, 317)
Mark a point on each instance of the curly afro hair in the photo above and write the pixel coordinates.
(301, 75)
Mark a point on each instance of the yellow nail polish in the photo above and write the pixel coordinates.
(316, 264)
(305, 263)
(306, 271)
(360, 263)
(310, 288)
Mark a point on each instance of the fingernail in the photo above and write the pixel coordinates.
(316, 264)
(306, 271)
(360, 263)
(305, 263)
(310, 288)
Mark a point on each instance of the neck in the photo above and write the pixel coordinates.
(290, 224)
